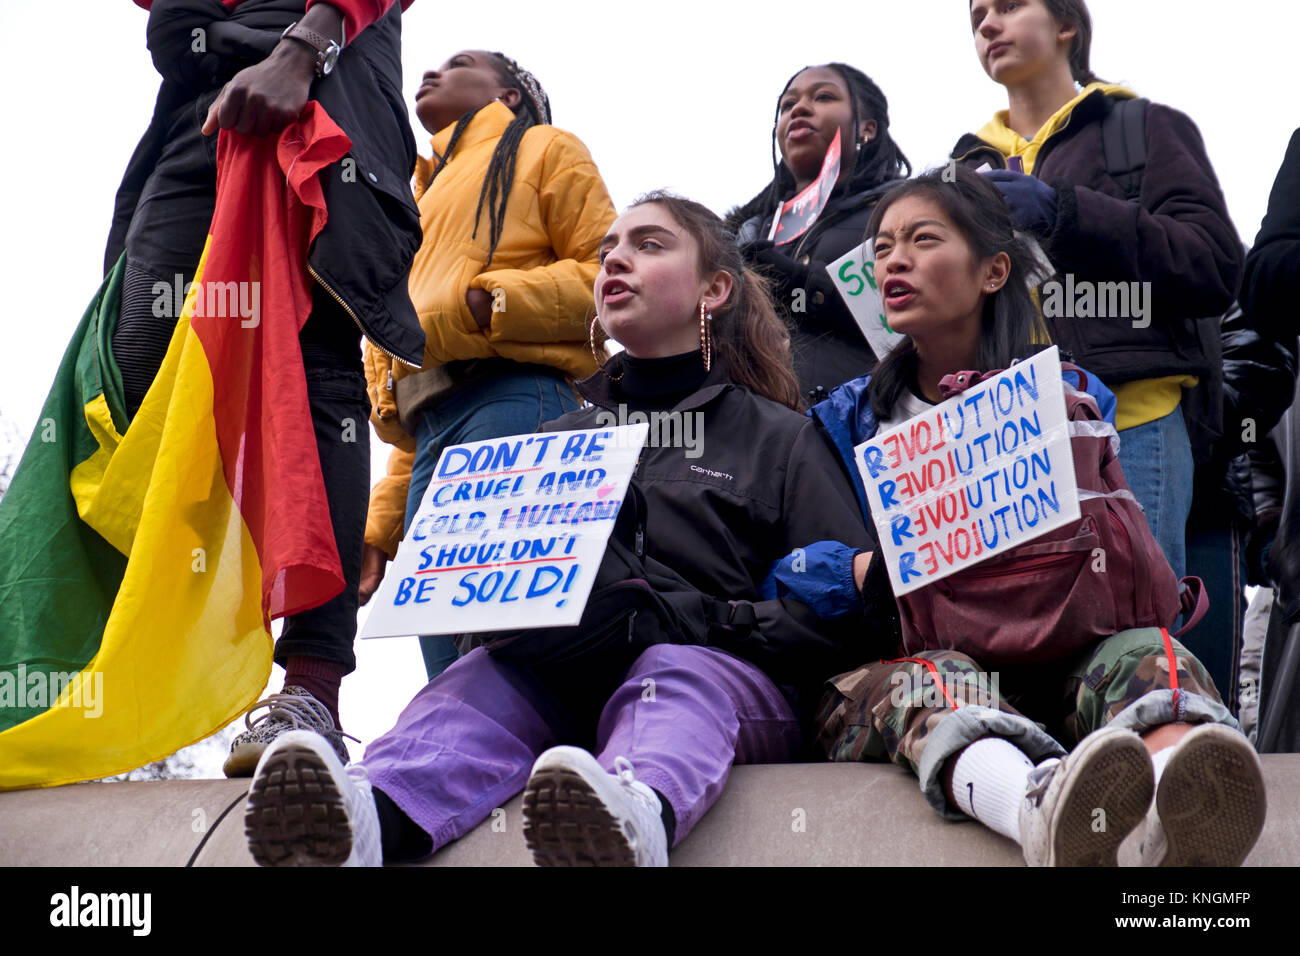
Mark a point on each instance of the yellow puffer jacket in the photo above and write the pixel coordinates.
(541, 275)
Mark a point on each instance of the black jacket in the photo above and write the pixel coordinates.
(363, 255)
(828, 346)
(1177, 236)
(1272, 279)
(766, 482)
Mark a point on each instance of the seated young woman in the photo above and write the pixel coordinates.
(1130, 716)
(614, 777)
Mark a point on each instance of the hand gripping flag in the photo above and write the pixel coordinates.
(140, 567)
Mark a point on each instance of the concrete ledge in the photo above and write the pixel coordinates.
(779, 815)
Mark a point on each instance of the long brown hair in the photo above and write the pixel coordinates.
(748, 335)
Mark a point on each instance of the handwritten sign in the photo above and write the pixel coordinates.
(854, 275)
(510, 534)
(982, 473)
(796, 216)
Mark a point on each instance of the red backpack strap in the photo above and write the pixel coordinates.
(1083, 376)
(1191, 593)
(958, 382)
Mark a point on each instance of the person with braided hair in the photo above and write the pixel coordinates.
(815, 103)
(512, 211)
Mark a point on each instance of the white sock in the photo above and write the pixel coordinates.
(989, 781)
(1159, 759)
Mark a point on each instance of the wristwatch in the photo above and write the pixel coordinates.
(326, 50)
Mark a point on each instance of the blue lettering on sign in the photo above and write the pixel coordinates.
(466, 582)
(906, 567)
(887, 498)
(403, 591)
(899, 528)
(572, 449)
(539, 586)
(453, 462)
(874, 457)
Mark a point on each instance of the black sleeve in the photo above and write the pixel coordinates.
(1259, 375)
(1271, 285)
(1178, 236)
(788, 640)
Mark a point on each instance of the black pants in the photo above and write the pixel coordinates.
(165, 240)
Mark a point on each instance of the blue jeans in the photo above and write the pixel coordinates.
(1157, 462)
(513, 404)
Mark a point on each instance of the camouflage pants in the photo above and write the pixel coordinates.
(919, 711)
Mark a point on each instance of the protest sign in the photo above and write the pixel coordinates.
(854, 275)
(510, 534)
(796, 216)
(975, 476)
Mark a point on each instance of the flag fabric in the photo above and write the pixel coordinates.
(140, 567)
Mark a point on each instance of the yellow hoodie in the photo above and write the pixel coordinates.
(541, 275)
(1136, 403)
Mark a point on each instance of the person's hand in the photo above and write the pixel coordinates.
(1031, 202)
(765, 253)
(480, 306)
(267, 96)
(374, 562)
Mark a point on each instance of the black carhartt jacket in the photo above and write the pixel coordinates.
(363, 255)
(765, 482)
(1177, 236)
(827, 345)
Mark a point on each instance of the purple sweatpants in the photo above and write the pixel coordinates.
(683, 715)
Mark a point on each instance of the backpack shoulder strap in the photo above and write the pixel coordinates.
(1124, 144)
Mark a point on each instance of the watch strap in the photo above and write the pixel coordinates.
(313, 39)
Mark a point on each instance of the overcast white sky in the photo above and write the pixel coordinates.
(668, 94)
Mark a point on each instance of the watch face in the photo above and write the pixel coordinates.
(328, 59)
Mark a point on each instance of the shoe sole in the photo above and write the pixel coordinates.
(295, 814)
(1211, 802)
(242, 761)
(1115, 777)
(567, 824)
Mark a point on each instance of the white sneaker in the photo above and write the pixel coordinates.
(305, 809)
(1078, 810)
(576, 814)
(1210, 805)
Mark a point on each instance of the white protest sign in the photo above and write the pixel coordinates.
(973, 477)
(854, 275)
(510, 534)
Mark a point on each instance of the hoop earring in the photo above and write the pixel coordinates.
(706, 336)
(591, 338)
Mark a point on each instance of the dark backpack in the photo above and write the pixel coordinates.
(1124, 147)
(636, 601)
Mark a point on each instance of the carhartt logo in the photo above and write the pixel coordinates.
(103, 909)
(711, 473)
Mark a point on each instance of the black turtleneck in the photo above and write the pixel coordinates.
(661, 382)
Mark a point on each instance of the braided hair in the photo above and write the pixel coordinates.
(534, 109)
(878, 162)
